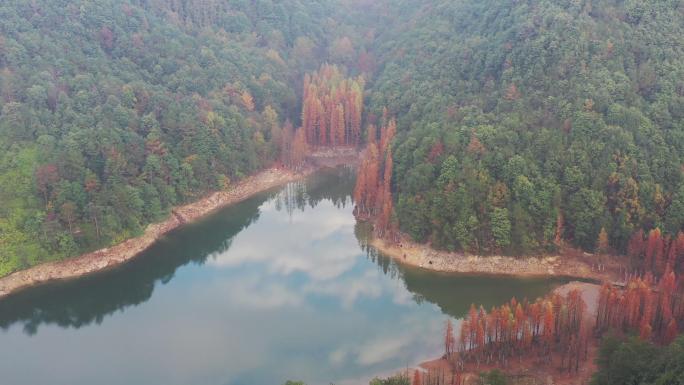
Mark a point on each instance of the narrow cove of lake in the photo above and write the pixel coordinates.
(277, 287)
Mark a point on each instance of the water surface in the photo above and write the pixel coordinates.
(277, 287)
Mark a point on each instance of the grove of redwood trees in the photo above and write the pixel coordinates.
(373, 190)
(654, 309)
(332, 108)
(655, 253)
(555, 326)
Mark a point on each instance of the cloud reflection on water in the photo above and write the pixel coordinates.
(318, 242)
(309, 254)
(279, 289)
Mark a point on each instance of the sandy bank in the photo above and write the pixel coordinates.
(425, 257)
(116, 255)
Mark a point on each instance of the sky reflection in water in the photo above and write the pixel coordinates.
(272, 289)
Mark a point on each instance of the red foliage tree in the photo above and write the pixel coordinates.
(294, 147)
(475, 147)
(299, 147)
(670, 332)
(417, 378)
(366, 62)
(636, 246)
(436, 151)
(645, 330)
(387, 134)
(512, 93)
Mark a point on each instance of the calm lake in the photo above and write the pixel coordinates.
(277, 287)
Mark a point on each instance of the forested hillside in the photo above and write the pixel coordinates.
(636, 361)
(487, 127)
(114, 111)
(521, 126)
(526, 124)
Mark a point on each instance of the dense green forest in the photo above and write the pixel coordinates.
(523, 124)
(520, 125)
(114, 111)
(635, 361)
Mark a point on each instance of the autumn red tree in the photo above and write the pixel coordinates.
(670, 332)
(371, 184)
(652, 308)
(512, 93)
(449, 340)
(299, 148)
(475, 147)
(636, 246)
(436, 151)
(387, 133)
(417, 378)
(294, 147)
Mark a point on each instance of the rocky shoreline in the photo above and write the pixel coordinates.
(116, 255)
(425, 257)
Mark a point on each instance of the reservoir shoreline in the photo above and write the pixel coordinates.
(405, 251)
(562, 266)
(116, 255)
(107, 258)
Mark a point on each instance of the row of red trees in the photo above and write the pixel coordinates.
(293, 147)
(373, 190)
(656, 252)
(556, 325)
(332, 108)
(436, 376)
(653, 308)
